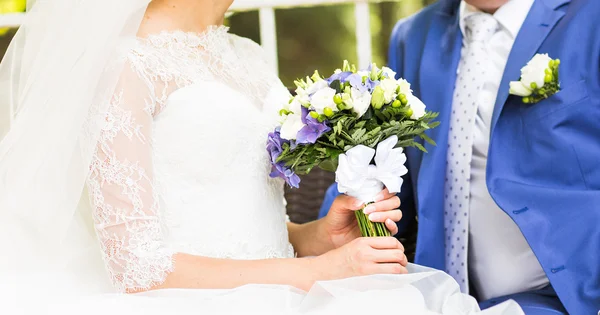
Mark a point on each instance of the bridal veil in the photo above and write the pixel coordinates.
(57, 75)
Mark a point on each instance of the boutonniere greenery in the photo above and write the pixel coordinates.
(539, 79)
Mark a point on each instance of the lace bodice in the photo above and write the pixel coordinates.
(181, 164)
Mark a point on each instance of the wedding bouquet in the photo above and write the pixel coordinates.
(336, 123)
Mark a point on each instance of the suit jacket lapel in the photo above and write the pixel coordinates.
(437, 74)
(540, 21)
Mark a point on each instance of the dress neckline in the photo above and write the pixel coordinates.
(166, 38)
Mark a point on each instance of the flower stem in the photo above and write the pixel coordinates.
(368, 228)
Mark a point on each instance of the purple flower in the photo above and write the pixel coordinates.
(281, 171)
(356, 81)
(274, 145)
(313, 129)
(342, 76)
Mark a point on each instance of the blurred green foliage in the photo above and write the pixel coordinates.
(322, 37)
(317, 37)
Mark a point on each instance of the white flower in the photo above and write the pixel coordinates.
(319, 85)
(322, 99)
(302, 96)
(360, 102)
(389, 87)
(290, 127)
(404, 87)
(534, 71)
(389, 72)
(416, 105)
(519, 89)
(295, 106)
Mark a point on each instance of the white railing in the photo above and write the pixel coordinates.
(268, 31)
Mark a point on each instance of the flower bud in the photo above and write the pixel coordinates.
(283, 112)
(337, 99)
(396, 104)
(533, 85)
(328, 112)
(314, 115)
(346, 66)
(316, 77)
(377, 99)
(548, 78)
(409, 112)
(526, 100)
(556, 62)
(403, 99)
(551, 63)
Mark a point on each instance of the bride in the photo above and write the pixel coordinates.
(133, 161)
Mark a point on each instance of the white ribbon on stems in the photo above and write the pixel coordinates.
(358, 178)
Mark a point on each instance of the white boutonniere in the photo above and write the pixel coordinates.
(539, 79)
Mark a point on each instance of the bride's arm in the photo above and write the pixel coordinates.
(126, 211)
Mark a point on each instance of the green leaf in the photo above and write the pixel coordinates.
(420, 147)
(336, 85)
(427, 138)
(329, 165)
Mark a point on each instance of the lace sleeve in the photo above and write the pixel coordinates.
(125, 205)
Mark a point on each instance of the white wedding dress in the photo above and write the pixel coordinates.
(182, 168)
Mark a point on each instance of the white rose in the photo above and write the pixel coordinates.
(519, 89)
(389, 72)
(290, 127)
(389, 87)
(404, 87)
(534, 70)
(416, 105)
(322, 99)
(360, 102)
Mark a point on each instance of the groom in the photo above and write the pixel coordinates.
(508, 202)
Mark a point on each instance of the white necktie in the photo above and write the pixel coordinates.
(479, 28)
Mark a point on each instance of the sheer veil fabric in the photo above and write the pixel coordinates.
(57, 83)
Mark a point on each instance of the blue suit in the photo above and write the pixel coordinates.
(544, 159)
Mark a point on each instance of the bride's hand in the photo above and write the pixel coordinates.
(363, 256)
(340, 223)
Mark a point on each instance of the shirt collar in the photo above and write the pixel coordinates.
(511, 15)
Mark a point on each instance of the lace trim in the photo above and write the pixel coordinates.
(130, 233)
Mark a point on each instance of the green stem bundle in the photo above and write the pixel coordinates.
(368, 228)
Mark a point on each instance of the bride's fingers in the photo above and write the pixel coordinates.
(390, 256)
(394, 215)
(384, 194)
(389, 268)
(392, 226)
(385, 205)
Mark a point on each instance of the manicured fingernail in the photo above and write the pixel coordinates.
(374, 217)
(358, 203)
(369, 209)
(379, 197)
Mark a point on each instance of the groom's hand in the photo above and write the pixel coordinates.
(340, 223)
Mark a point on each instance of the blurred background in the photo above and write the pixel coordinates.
(308, 38)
